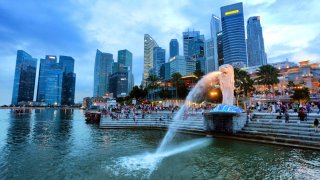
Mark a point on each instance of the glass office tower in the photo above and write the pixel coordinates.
(174, 48)
(255, 42)
(233, 39)
(24, 78)
(102, 71)
(149, 44)
(159, 58)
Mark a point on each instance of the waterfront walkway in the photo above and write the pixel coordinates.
(263, 128)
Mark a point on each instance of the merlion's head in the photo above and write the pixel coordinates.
(226, 69)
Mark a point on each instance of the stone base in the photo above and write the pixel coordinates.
(227, 123)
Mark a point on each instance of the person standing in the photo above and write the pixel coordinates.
(301, 114)
(318, 108)
(286, 116)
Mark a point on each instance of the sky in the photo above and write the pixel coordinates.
(78, 28)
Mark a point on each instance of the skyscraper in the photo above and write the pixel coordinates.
(45, 67)
(159, 58)
(119, 81)
(125, 59)
(149, 44)
(233, 39)
(209, 56)
(215, 27)
(24, 78)
(220, 49)
(193, 50)
(69, 80)
(56, 84)
(174, 48)
(255, 43)
(102, 71)
(178, 64)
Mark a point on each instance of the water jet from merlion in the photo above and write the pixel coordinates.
(149, 161)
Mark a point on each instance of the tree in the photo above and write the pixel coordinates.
(176, 81)
(243, 83)
(139, 93)
(268, 76)
(302, 94)
(152, 83)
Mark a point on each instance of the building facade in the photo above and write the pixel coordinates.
(119, 81)
(255, 42)
(193, 50)
(56, 84)
(178, 64)
(125, 59)
(149, 44)
(220, 49)
(234, 44)
(159, 58)
(209, 56)
(215, 27)
(102, 71)
(174, 48)
(165, 71)
(24, 78)
(69, 80)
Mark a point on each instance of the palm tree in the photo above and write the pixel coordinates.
(268, 76)
(243, 83)
(176, 81)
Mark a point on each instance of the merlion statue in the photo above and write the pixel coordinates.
(226, 80)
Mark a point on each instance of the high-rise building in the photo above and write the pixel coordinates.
(159, 58)
(178, 64)
(24, 78)
(220, 49)
(45, 67)
(165, 71)
(209, 56)
(102, 71)
(234, 43)
(174, 48)
(255, 43)
(149, 44)
(193, 50)
(53, 85)
(215, 27)
(125, 59)
(56, 84)
(119, 81)
(69, 80)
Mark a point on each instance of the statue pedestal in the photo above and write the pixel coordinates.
(224, 122)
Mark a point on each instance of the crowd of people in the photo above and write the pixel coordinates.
(302, 110)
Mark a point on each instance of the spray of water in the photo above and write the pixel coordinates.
(146, 163)
(195, 95)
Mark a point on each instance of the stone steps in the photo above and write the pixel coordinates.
(281, 140)
(265, 126)
(194, 123)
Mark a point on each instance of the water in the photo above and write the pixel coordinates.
(58, 144)
(195, 95)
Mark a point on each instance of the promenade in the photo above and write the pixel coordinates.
(263, 127)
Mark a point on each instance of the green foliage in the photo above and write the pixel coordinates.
(139, 93)
(267, 75)
(242, 82)
(176, 81)
(301, 94)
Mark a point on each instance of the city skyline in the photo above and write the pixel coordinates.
(89, 26)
